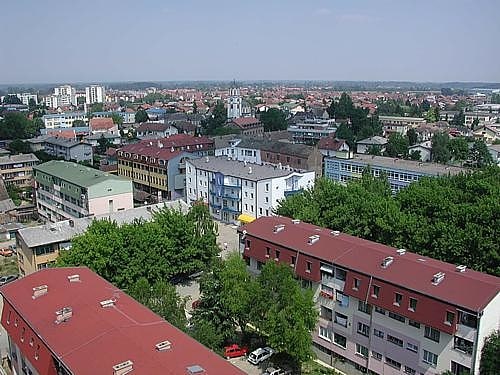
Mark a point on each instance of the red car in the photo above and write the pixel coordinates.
(233, 351)
(6, 252)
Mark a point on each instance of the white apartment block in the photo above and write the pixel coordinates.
(95, 94)
(63, 96)
(25, 98)
(238, 191)
(63, 120)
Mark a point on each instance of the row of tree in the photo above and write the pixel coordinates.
(446, 149)
(16, 125)
(454, 219)
(273, 304)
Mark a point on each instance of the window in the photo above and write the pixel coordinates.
(413, 323)
(361, 350)
(308, 267)
(260, 210)
(325, 333)
(458, 369)
(450, 318)
(248, 243)
(267, 199)
(9, 316)
(23, 331)
(267, 187)
(339, 340)
(376, 355)
(277, 256)
(340, 274)
(380, 310)
(16, 322)
(341, 319)
(268, 251)
(37, 352)
(355, 284)
(378, 333)
(463, 345)
(413, 304)
(397, 299)
(409, 370)
(467, 319)
(326, 313)
(397, 317)
(364, 307)
(394, 340)
(32, 340)
(431, 333)
(363, 329)
(430, 358)
(412, 347)
(391, 362)
(294, 259)
(375, 291)
(342, 299)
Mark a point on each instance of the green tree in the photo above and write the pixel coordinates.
(19, 147)
(195, 107)
(480, 155)
(374, 150)
(141, 116)
(440, 151)
(397, 146)
(96, 107)
(495, 98)
(415, 155)
(273, 119)
(475, 123)
(15, 193)
(103, 144)
(16, 125)
(459, 149)
(117, 119)
(458, 119)
(412, 136)
(11, 99)
(79, 123)
(490, 360)
(216, 121)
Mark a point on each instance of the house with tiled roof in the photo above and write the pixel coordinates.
(103, 125)
(152, 130)
(65, 321)
(364, 145)
(381, 309)
(247, 125)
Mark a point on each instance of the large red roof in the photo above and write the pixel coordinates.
(470, 289)
(102, 123)
(184, 140)
(150, 149)
(245, 122)
(95, 339)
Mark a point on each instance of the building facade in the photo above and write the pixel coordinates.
(18, 169)
(399, 124)
(400, 173)
(237, 190)
(95, 94)
(68, 321)
(311, 131)
(234, 102)
(66, 190)
(63, 96)
(63, 120)
(383, 310)
(247, 126)
(68, 149)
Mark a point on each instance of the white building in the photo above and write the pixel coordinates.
(239, 191)
(25, 98)
(63, 120)
(234, 103)
(95, 94)
(63, 96)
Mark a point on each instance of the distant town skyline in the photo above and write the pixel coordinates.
(152, 40)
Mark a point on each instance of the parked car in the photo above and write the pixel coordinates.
(6, 252)
(259, 355)
(7, 279)
(234, 350)
(275, 371)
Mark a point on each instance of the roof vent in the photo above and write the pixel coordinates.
(335, 232)
(250, 170)
(195, 369)
(437, 278)
(108, 303)
(172, 149)
(40, 291)
(278, 228)
(312, 239)
(164, 345)
(123, 368)
(296, 221)
(401, 251)
(64, 314)
(386, 262)
(461, 268)
(207, 159)
(74, 278)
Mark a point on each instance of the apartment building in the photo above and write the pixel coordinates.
(481, 117)
(310, 131)
(63, 120)
(63, 96)
(18, 169)
(400, 172)
(69, 321)
(383, 310)
(66, 190)
(68, 149)
(247, 125)
(399, 124)
(26, 97)
(154, 130)
(95, 94)
(38, 247)
(239, 191)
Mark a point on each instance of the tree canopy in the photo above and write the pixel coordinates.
(273, 119)
(141, 116)
(490, 360)
(16, 125)
(213, 124)
(454, 219)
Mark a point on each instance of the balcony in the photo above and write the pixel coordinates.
(289, 193)
(230, 209)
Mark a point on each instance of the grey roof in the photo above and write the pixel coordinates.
(238, 168)
(265, 144)
(105, 135)
(63, 142)
(63, 231)
(39, 139)
(7, 205)
(432, 169)
(375, 140)
(222, 141)
(21, 158)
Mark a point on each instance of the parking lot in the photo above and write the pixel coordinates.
(247, 367)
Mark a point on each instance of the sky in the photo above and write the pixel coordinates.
(57, 41)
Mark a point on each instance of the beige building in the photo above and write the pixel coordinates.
(18, 169)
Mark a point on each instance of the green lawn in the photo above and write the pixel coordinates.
(8, 265)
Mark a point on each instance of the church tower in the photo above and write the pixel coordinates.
(234, 102)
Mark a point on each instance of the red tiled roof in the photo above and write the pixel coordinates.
(70, 134)
(330, 143)
(152, 126)
(103, 123)
(95, 339)
(469, 289)
(151, 149)
(245, 122)
(184, 140)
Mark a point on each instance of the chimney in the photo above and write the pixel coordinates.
(123, 368)
(71, 223)
(313, 239)
(295, 221)
(164, 345)
(107, 303)
(64, 314)
(401, 251)
(172, 149)
(278, 228)
(335, 233)
(207, 159)
(437, 278)
(249, 170)
(386, 262)
(74, 278)
(40, 291)
(461, 268)
(160, 144)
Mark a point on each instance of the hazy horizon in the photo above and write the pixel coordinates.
(154, 41)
